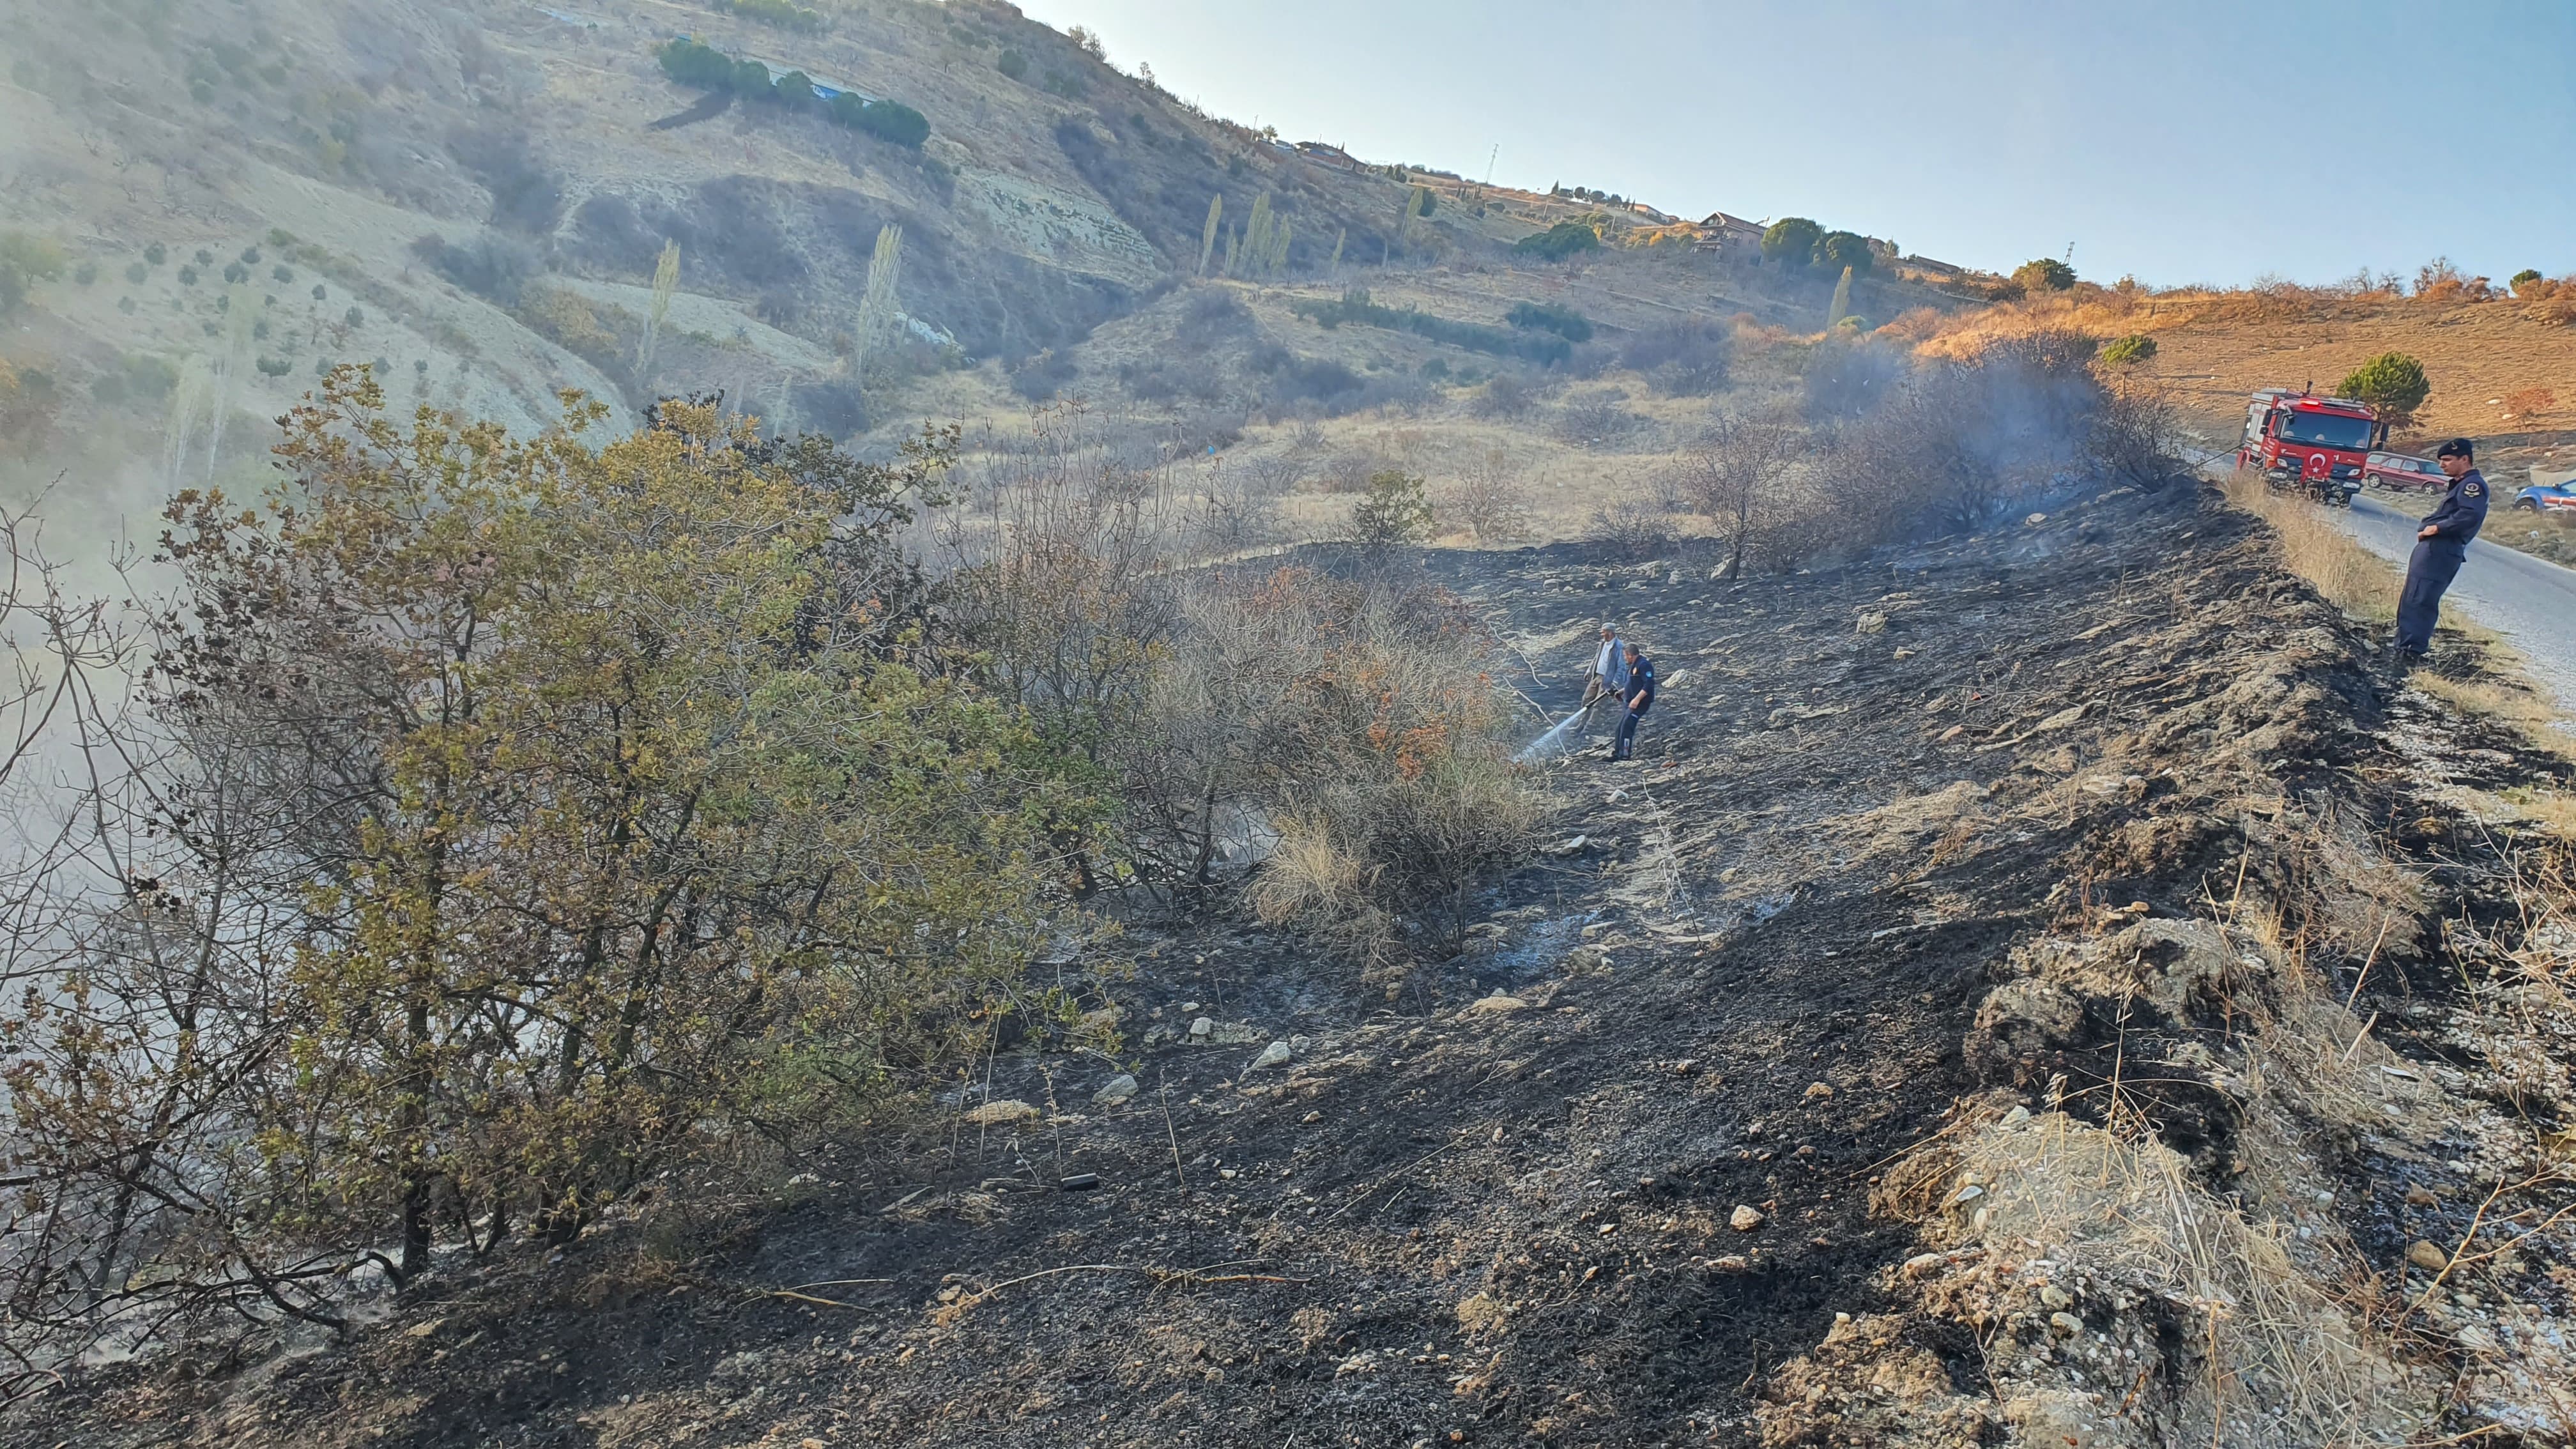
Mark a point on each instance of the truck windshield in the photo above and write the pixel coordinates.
(2325, 430)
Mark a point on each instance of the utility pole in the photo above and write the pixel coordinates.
(1489, 163)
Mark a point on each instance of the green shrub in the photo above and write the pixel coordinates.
(155, 254)
(1791, 241)
(1393, 511)
(236, 274)
(885, 120)
(1553, 317)
(135, 272)
(204, 258)
(2393, 383)
(86, 273)
(776, 12)
(150, 377)
(275, 366)
(2044, 274)
(1565, 239)
(1356, 308)
(354, 317)
(2129, 351)
(1013, 64)
(187, 276)
(24, 261)
(2524, 278)
(282, 272)
(692, 64)
(321, 293)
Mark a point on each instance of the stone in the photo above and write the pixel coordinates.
(1273, 1055)
(1870, 623)
(1118, 1089)
(1819, 1092)
(1188, 1006)
(2421, 1196)
(1202, 1028)
(1496, 1003)
(2035, 520)
(2016, 1116)
(1745, 1219)
(1298, 1044)
(995, 1114)
(2055, 1297)
(1966, 1195)
(1922, 1263)
(2065, 1325)
(2426, 1256)
(2062, 718)
(1567, 847)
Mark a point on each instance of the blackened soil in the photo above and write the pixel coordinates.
(1442, 1221)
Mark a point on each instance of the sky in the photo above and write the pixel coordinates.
(2179, 141)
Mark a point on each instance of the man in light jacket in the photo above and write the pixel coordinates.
(1609, 668)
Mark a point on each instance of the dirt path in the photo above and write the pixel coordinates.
(2032, 842)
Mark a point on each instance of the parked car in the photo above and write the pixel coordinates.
(2558, 497)
(2404, 472)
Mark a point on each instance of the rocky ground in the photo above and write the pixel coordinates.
(2043, 988)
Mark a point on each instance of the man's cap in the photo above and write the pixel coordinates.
(2456, 448)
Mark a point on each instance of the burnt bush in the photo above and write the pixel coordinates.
(526, 196)
(1212, 315)
(1965, 442)
(1689, 358)
(491, 266)
(1041, 375)
(1292, 380)
(836, 408)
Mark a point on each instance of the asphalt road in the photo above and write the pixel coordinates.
(2530, 601)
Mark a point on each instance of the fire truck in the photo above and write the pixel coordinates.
(2310, 444)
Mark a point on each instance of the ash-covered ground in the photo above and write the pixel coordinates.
(1938, 1035)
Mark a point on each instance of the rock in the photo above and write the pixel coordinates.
(1922, 1263)
(1685, 1066)
(424, 1328)
(1732, 1263)
(1966, 1195)
(1298, 1044)
(2421, 1196)
(1870, 623)
(1567, 847)
(1819, 1092)
(1188, 1006)
(2426, 1256)
(2016, 1117)
(1273, 1055)
(2065, 1325)
(1201, 1028)
(1497, 1002)
(1597, 928)
(1745, 1219)
(2062, 718)
(2055, 1297)
(995, 1114)
(1118, 1089)
(2035, 520)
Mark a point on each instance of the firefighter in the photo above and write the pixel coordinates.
(1641, 697)
(2441, 545)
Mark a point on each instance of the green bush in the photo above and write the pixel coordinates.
(1791, 241)
(86, 273)
(1394, 510)
(187, 276)
(2525, 278)
(135, 272)
(2393, 383)
(155, 254)
(692, 64)
(2044, 274)
(1013, 64)
(1553, 317)
(275, 366)
(776, 12)
(282, 272)
(1565, 239)
(1356, 308)
(150, 377)
(24, 261)
(885, 120)
(2129, 351)
(1836, 250)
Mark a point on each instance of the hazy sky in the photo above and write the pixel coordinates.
(2180, 140)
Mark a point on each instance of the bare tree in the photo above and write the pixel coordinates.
(1490, 498)
(1733, 475)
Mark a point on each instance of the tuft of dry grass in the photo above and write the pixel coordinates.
(2506, 698)
(2351, 577)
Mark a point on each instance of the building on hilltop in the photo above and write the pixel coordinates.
(1720, 232)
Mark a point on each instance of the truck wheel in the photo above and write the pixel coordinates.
(2525, 505)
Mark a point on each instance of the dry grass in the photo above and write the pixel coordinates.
(2505, 696)
(2114, 1213)
(2351, 577)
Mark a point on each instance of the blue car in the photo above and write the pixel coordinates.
(2548, 493)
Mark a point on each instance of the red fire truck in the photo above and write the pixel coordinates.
(2313, 445)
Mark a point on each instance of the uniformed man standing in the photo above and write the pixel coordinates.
(1641, 697)
(2441, 546)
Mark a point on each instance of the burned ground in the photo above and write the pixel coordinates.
(1984, 826)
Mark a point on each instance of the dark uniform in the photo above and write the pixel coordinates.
(2437, 560)
(1641, 682)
